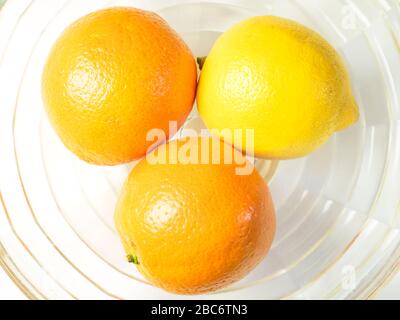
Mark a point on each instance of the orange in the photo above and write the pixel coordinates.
(112, 76)
(193, 228)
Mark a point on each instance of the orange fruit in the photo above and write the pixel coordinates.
(195, 227)
(112, 76)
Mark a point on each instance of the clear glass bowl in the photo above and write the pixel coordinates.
(338, 210)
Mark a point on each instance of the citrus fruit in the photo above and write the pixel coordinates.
(280, 79)
(112, 76)
(195, 227)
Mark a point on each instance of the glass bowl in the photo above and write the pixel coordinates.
(338, 209)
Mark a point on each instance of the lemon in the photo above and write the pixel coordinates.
(280, 79)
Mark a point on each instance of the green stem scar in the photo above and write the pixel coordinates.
(132, 259)
(201, 61)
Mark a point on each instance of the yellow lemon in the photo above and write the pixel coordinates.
(280, 79)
